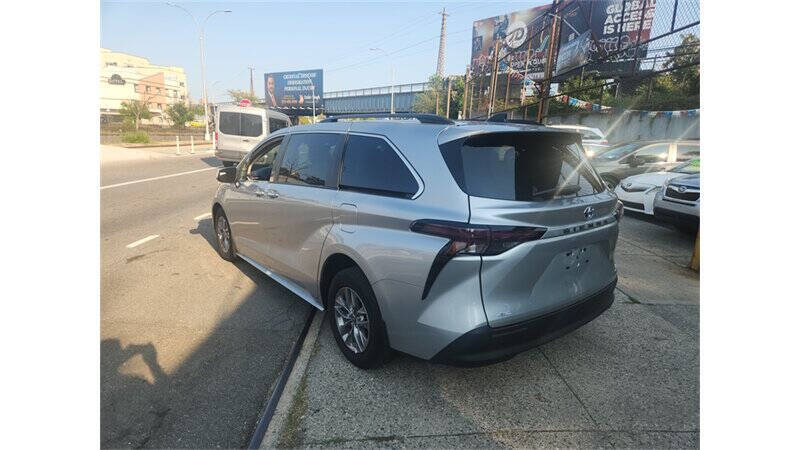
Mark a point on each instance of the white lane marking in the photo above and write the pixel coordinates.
(202, 216)
(142, 241)
(157, 178)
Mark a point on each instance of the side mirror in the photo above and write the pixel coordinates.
(226, 175)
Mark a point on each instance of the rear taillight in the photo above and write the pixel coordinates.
(468, 239)
(216, 140)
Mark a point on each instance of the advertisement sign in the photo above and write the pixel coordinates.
(293, 89)
(514, 32)
(592, 30)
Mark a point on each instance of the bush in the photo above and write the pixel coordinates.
(136, 137)
(127, 125)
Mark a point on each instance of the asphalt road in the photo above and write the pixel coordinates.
(190, 344)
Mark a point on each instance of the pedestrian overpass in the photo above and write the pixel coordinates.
(372, 100)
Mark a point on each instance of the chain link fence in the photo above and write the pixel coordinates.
(583, 49)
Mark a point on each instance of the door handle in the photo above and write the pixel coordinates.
(259, 193)
(272, 193)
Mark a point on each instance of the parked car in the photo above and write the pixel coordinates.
(638, 192)
(239, 128)
(678, 203)
(594, 140)
(633, 158)
(462, 244)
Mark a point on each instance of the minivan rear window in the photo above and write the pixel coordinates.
(229, 123)
(240, 124)
(521, 166)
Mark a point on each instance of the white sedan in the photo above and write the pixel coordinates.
(638, 192)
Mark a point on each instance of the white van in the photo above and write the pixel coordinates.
(239, 128)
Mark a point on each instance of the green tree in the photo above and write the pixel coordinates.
(434, 98)
(687, 56)
(676, 89)
(135, 111)
(180, 114)
(239, 94)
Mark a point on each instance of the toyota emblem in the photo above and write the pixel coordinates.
(682, 189)
(588, 213)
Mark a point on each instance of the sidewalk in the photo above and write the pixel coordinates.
(110, 154)
(630, 378)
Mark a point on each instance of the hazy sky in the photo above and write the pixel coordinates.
(278, 36)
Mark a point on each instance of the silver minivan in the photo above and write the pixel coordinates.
(458, 243)
(239, 128)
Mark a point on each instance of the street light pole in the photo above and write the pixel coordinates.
(391, 89)
(201, 32)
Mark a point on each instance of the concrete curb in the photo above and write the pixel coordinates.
(161, 144)
(273, 433)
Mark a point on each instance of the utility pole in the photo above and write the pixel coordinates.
(493, 82)
(525, 74)
(548, 70)
(440, 61)
(449, 81)
(252, 91)
(465, 95)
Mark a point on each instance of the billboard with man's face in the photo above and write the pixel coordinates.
(293, 89)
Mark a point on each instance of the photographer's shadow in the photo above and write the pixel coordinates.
(133, 394)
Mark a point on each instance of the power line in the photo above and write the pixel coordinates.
(365, 46)
(367, 61)
(406, 29)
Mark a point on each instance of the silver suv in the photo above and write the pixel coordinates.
(459, 243)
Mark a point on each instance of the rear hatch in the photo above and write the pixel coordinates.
(240, 130)
(524, 179)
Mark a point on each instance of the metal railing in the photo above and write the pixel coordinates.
(641, 43)
(380, 90)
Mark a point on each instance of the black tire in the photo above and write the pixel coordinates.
(226, 252)
(377, 349)
(228, 164)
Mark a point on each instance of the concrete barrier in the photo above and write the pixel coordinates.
(622, 127)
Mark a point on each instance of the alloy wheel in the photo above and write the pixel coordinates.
(223, 234)
(352, 319)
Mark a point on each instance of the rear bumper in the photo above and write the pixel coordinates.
(485, 345)
(229, 155)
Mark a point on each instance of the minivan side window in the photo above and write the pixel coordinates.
(276, 124)
(310, 159)
(371, 165)
(260, 168)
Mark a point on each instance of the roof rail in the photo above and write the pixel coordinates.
(503, 118)
(423, 118)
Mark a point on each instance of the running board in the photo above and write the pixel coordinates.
(297, 290)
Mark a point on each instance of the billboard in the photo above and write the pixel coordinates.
(591, 30)
(517, 32)
(293, 89)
